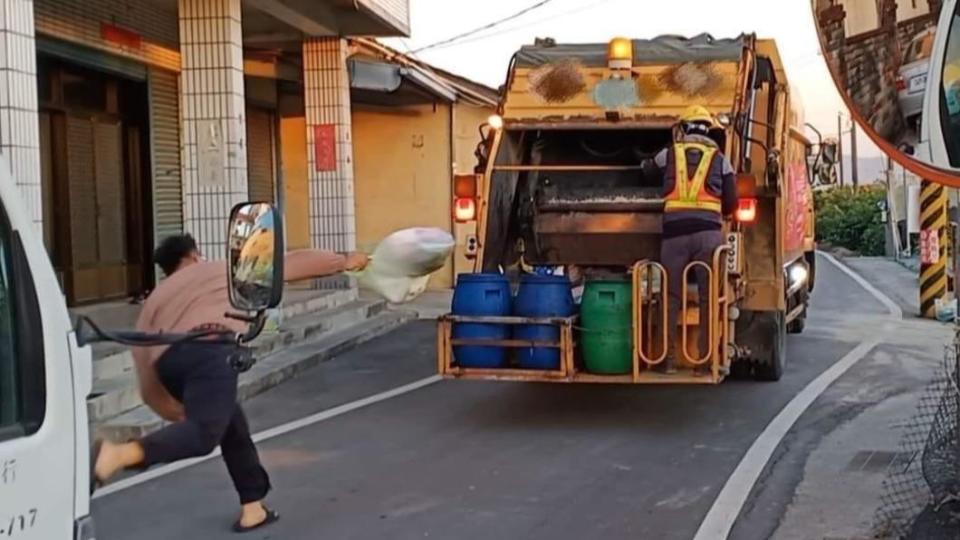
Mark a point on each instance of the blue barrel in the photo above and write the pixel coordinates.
(542, 296)
(481, 295)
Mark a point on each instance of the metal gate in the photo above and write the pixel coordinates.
(97, 209)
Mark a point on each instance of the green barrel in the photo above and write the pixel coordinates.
(607, 321)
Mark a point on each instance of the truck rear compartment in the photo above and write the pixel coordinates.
(581, 198)
(576, 196)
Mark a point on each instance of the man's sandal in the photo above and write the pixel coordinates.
(272, 517)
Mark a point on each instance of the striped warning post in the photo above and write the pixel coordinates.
(933, 246)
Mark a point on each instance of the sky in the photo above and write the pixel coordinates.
(484, 57)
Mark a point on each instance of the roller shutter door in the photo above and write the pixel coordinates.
(165, 154)
(260, 154)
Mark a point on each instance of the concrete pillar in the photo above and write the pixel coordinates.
(212, 115)
(329, 144)
(19, 126)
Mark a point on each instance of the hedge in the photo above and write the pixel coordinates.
(851, 218)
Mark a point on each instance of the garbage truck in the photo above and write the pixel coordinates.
(46, 373)
(560, 189)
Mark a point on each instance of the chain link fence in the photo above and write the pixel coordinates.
(921, 498)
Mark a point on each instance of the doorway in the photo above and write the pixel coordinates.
(95, 175)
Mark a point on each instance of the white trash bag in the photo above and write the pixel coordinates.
(400, 266)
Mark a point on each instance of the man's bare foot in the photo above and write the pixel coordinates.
(114, 457)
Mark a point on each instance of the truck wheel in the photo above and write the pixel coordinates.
(797, 325)
(812, 276)
(771, 360)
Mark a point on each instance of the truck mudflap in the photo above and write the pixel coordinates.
(650, 335)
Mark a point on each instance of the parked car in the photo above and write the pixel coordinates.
(912, 77)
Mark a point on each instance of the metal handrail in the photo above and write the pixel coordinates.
(717, 304)
(641, 270)
(643, 326)
(684, 304)
(566, 168)
(723, 300)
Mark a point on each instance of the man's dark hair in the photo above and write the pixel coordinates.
(172, 250)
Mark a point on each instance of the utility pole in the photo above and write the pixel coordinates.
(854, 166)
(840, 145)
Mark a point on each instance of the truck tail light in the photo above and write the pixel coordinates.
(464, 209)
(747, 210)
(901, 84)
(465, 188)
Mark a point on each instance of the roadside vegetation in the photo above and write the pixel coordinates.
(850, 218)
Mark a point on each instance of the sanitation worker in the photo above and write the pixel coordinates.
(192, 384)
(699, 189)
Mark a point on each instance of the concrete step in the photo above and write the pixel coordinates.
(310, 324)
(111, 360)
(269, 371)
(113, 396)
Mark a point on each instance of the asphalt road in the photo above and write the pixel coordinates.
(476, 460)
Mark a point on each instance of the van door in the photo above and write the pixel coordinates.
(39, 429)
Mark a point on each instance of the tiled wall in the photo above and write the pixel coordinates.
(80, 22)
(19, 129)
(212, 97)
(327, 96)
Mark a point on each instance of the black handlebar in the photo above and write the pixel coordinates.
(88, 332)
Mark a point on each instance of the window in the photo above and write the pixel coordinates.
(950, 92)
(10, 390)
(22, 385)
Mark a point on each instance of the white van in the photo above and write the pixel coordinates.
(46, 376)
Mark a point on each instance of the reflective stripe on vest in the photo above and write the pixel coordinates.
(691, 193)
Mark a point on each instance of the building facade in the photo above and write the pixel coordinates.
(127, 121)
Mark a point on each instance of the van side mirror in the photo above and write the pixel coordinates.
(255, 257)
(829, 152)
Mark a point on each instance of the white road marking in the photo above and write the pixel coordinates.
(270, 434)
(726, 508)
(891, 306)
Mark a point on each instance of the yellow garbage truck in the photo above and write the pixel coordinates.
(560, 185)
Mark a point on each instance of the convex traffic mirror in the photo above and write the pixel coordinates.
(897, 66)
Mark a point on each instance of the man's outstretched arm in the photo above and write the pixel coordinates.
(315, 263)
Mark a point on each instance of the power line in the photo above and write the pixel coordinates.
(526, 25)
(487, 26)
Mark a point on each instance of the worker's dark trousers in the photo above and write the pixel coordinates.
(675, 254)
(199, 376)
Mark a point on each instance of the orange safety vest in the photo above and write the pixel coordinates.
(692, 193)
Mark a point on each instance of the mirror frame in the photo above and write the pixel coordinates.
(279, 250)
(924, 170)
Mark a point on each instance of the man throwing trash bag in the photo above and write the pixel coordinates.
(193, 385)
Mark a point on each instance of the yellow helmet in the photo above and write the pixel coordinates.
(698, 113)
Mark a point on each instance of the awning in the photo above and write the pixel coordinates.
(385, 83)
